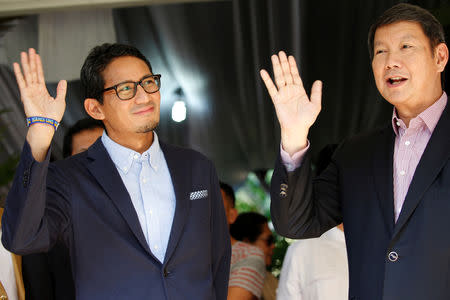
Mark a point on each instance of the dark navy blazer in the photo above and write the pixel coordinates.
(83, 201)
(409, 259)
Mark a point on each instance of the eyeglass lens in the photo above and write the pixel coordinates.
(127, 90)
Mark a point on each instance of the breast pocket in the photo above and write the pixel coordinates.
(200, 211)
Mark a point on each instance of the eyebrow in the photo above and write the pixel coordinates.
(149, 74)
(407, 36)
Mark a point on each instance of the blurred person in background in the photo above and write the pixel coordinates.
(11, 281)
(248, 263)
(315, 269)
(253, 228)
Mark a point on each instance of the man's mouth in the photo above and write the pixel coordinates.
(145, 110)
(396, 80)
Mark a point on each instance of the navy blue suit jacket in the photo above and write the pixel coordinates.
(357, 188)
(83, 201)
(48, 275)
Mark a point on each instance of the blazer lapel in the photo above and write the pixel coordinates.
(180, 172)
(435, 156)
(383, 175)
(104, 170)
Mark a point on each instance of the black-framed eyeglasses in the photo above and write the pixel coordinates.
(127, 89)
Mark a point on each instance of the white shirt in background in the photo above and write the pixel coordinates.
(315, 269)
(7, 277)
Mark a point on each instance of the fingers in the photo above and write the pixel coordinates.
(25, 67)
(61, 90)
(316, 93)
(32, 62)
(285, 70)
(40, 69)
(271, 88)
(294, 71)
(19, 77)
(277, 72)
(30, 66)
(285, 67)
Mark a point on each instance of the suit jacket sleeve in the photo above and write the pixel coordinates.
(221, 246)
(302, 207)
(36, 209)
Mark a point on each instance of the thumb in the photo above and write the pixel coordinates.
(316, 93)
(61, 90)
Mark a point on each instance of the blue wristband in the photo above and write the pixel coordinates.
(43, 120)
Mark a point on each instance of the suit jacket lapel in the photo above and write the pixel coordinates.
(180, 172)
(435, 156)
(383, 175)
(104, 170)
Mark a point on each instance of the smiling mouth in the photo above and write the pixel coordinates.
(396, 80)
(146, 110)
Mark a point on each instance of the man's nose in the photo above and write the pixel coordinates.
(141, 95)
(392, 61)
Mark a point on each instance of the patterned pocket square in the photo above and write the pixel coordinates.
(198, 195)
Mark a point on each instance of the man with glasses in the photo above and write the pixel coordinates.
(142, 219)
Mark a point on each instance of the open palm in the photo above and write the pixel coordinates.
(295, 111)
(33, 92)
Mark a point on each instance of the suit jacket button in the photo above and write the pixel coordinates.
(393, 256)
(283, 190)
(25, 178)
(165, 272)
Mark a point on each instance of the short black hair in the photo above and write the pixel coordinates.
(96, 62)
(79, 126)
(228, 190)
(413, 13)
(248, 226)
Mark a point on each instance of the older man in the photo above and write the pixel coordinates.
(390, 187)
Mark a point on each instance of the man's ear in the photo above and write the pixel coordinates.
(232, 215)
(94, 108)
(441, 56)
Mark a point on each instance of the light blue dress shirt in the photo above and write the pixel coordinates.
(147, 180)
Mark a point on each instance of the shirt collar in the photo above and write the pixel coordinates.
(124, 157)
(430, 116)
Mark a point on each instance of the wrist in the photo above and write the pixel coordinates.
(42, 120)
(293, 142)
(39, 137)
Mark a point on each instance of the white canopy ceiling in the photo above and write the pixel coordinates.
(11, 8)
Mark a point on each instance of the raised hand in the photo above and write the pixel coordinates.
(38, 103)
(296, 112)
(33, 92)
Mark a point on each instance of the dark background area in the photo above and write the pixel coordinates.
(213, 51)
